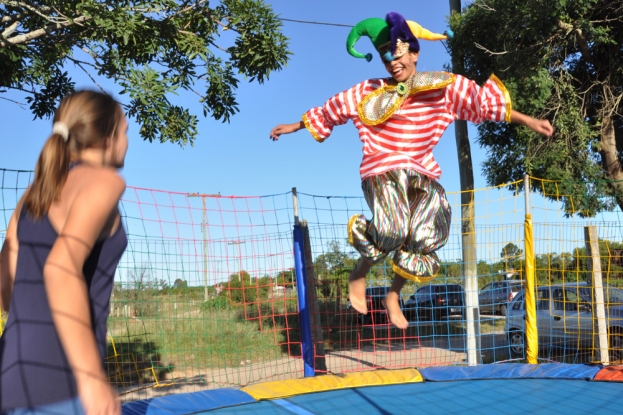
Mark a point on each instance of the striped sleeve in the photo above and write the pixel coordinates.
(468, 101)
(320, 121)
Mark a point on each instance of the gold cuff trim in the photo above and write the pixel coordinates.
(404, 274)
(507, 97)
(311, 130)
(351, 221)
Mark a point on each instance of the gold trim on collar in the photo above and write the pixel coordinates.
(379, 105)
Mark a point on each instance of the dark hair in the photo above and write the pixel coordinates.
(91, 117)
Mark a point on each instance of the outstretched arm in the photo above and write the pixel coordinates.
(285, 129)
(538, 126)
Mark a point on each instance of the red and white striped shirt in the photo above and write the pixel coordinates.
(407, 138)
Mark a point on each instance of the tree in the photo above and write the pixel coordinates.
(560, 61)
(334, 259)
(511, 257)
(611, 265)
(180, 283)
(285, 278)
(142, 291)
(150, 49)
(511, 251)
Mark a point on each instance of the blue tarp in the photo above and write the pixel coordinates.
(511, 371)
(188, 403)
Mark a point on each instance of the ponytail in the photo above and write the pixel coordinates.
(50, 175)
(83, 119)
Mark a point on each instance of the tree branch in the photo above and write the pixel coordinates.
(9, 19)
(481, 4)
(9, 30)
(27, 37)
(40, 11)
(79, 64)
(186, 9)
(19, 104)
(479, 46)
(586, 53)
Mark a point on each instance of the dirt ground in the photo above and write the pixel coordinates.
(435, 351)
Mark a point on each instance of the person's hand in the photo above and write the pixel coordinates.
(542, 127)
(285, 129)
(99, 398)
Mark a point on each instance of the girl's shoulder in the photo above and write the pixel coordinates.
(88, 185)
(99, 176)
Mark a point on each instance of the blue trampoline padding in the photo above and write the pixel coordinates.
(511, 371)
(188, 403)
(496, 396)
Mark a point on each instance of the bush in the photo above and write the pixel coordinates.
(217, 303)
(247, 293)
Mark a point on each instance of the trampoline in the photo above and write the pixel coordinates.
(508, 388)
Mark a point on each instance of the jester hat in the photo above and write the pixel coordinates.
(394, 30)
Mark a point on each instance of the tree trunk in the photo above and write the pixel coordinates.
(610, 159)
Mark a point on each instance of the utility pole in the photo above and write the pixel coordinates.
(205, 240)
(239, 255)
(468, 234)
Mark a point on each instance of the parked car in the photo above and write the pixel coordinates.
(435, 302)
(376, 311)
(565, 318)
(496, 296)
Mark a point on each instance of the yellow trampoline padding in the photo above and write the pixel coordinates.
(286, 388)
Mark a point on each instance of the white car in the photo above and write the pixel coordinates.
(565, 318)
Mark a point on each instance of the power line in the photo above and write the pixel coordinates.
(320, 23)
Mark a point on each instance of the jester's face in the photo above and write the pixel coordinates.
(402, 67)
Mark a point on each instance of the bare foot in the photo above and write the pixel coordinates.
(357, 287)
(357, 295)
(393, 309)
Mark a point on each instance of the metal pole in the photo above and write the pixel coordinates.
(295, 205)
(205, 250)
(526, 190)
(307, 344)
(204, 225)
(468, 232)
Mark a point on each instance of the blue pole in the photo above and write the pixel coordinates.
(307, 347)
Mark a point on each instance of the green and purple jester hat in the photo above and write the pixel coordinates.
(399, 34)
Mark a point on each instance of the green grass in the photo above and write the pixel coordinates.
(176, 335)
(177, 339)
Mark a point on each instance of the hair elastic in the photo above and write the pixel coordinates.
(61, 129)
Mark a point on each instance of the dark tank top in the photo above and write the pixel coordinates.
(34, 370)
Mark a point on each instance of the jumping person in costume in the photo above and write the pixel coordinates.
(400, 120)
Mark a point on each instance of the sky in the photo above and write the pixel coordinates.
(238, 158)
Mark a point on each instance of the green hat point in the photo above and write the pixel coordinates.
(375, 28)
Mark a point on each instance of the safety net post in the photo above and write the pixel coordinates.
(532, 346)
(307, 348)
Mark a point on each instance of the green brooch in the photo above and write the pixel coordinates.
(401, 88)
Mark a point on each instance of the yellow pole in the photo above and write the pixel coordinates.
(532, 338)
